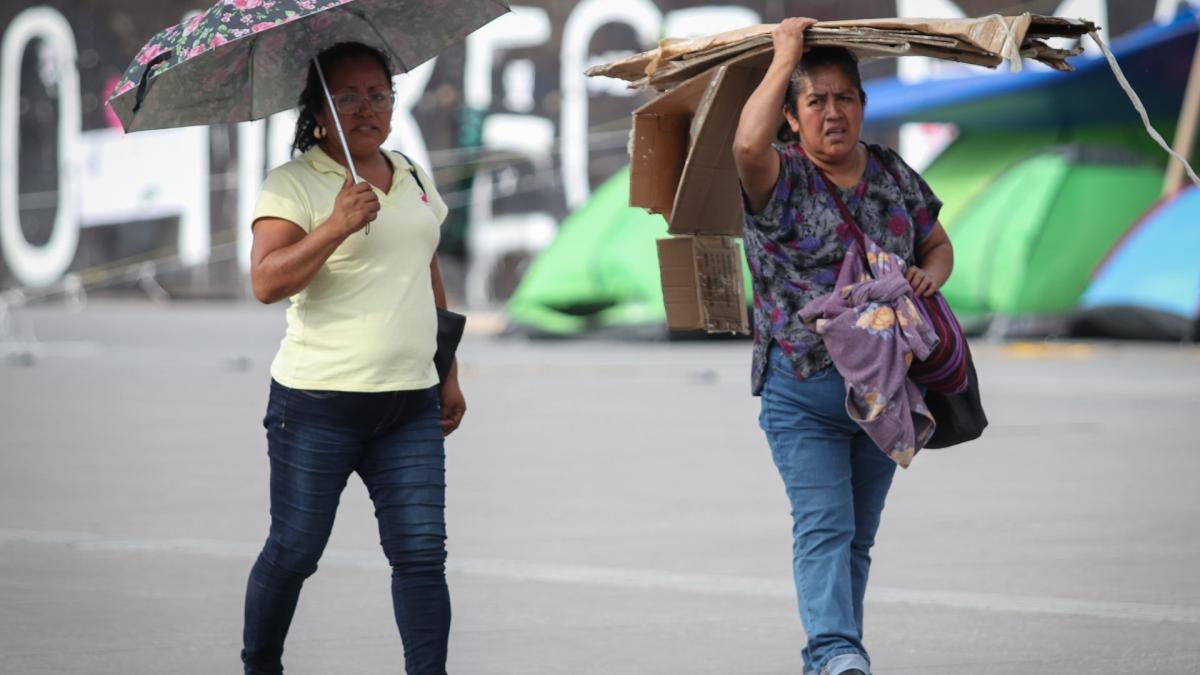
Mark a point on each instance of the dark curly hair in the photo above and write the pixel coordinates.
(312, 98)
(815, 59)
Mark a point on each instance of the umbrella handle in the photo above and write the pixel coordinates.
(144, 84)
(337, 123)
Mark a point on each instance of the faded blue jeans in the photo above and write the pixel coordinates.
(315, 440)
(837, 480)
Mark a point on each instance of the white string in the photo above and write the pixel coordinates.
(1011, 51)
(1137, 103)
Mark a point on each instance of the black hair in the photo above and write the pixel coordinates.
(819, 57)
(312, 98)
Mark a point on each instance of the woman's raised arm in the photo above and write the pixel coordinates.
(757, 163)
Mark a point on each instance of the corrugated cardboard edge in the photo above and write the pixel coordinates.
(708, 200)
(680, 284)
(982, 41)
(703, 286)
(661, 139)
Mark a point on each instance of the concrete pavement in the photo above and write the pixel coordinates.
(613, 509)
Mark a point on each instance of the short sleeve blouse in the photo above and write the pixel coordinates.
(796, 244)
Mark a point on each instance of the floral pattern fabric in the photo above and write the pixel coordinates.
(872, 329)
(247, 59)
(795, 246)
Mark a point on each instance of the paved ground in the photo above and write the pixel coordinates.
(613, 510)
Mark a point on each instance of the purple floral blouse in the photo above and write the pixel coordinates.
(796, 245)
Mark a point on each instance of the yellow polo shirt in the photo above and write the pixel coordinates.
(367, 321)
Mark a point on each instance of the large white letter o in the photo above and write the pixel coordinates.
(39, 265)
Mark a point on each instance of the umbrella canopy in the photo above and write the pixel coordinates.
(247, 59)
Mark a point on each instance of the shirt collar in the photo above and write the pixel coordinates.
(321, 162)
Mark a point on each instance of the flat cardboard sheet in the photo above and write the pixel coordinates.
(702, 284)
(682, 150)
(986, 41)
(660, 145)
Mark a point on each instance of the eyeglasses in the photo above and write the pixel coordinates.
(348, 104)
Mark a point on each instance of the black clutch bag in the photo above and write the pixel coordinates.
(960, 417)
(449, 334)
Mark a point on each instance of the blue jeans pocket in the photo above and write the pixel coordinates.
(779, 362)
(282, 398)
(821, 375)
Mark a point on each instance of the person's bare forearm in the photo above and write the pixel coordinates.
(938, 263)
(756, 161)
(760, 116)
(286, 271)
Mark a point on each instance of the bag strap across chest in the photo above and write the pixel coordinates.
(412, 168)
(836, 195)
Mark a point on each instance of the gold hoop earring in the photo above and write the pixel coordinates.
(319, 133)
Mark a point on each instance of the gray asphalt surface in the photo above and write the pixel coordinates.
(613, 510)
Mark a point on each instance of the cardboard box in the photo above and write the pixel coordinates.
(682, 150)
(709, 197)
(702, 284)
(682, 167)
(660, 144)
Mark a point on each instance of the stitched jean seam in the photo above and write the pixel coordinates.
(287, 395)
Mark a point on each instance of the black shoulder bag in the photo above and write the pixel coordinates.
(450, 324)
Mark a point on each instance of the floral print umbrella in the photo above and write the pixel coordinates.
(247, 59)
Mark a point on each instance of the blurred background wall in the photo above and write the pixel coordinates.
(516, 135)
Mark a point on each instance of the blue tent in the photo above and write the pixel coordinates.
(1149, 286)
(1156, 58)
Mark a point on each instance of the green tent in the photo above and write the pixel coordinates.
(973, 161)
(601, 270)
(1026, 238)
(1027, 243)
(599, 274)
(970, 164)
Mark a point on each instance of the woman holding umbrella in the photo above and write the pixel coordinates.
(354, 389)
(354, 386)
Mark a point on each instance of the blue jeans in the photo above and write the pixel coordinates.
(315, 440)
(837, 480)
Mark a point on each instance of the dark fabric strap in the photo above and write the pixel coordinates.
(412, 168)
(835, 193)
(847, 217)
(945, 369)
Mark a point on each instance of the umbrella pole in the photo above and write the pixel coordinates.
(337, 123)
